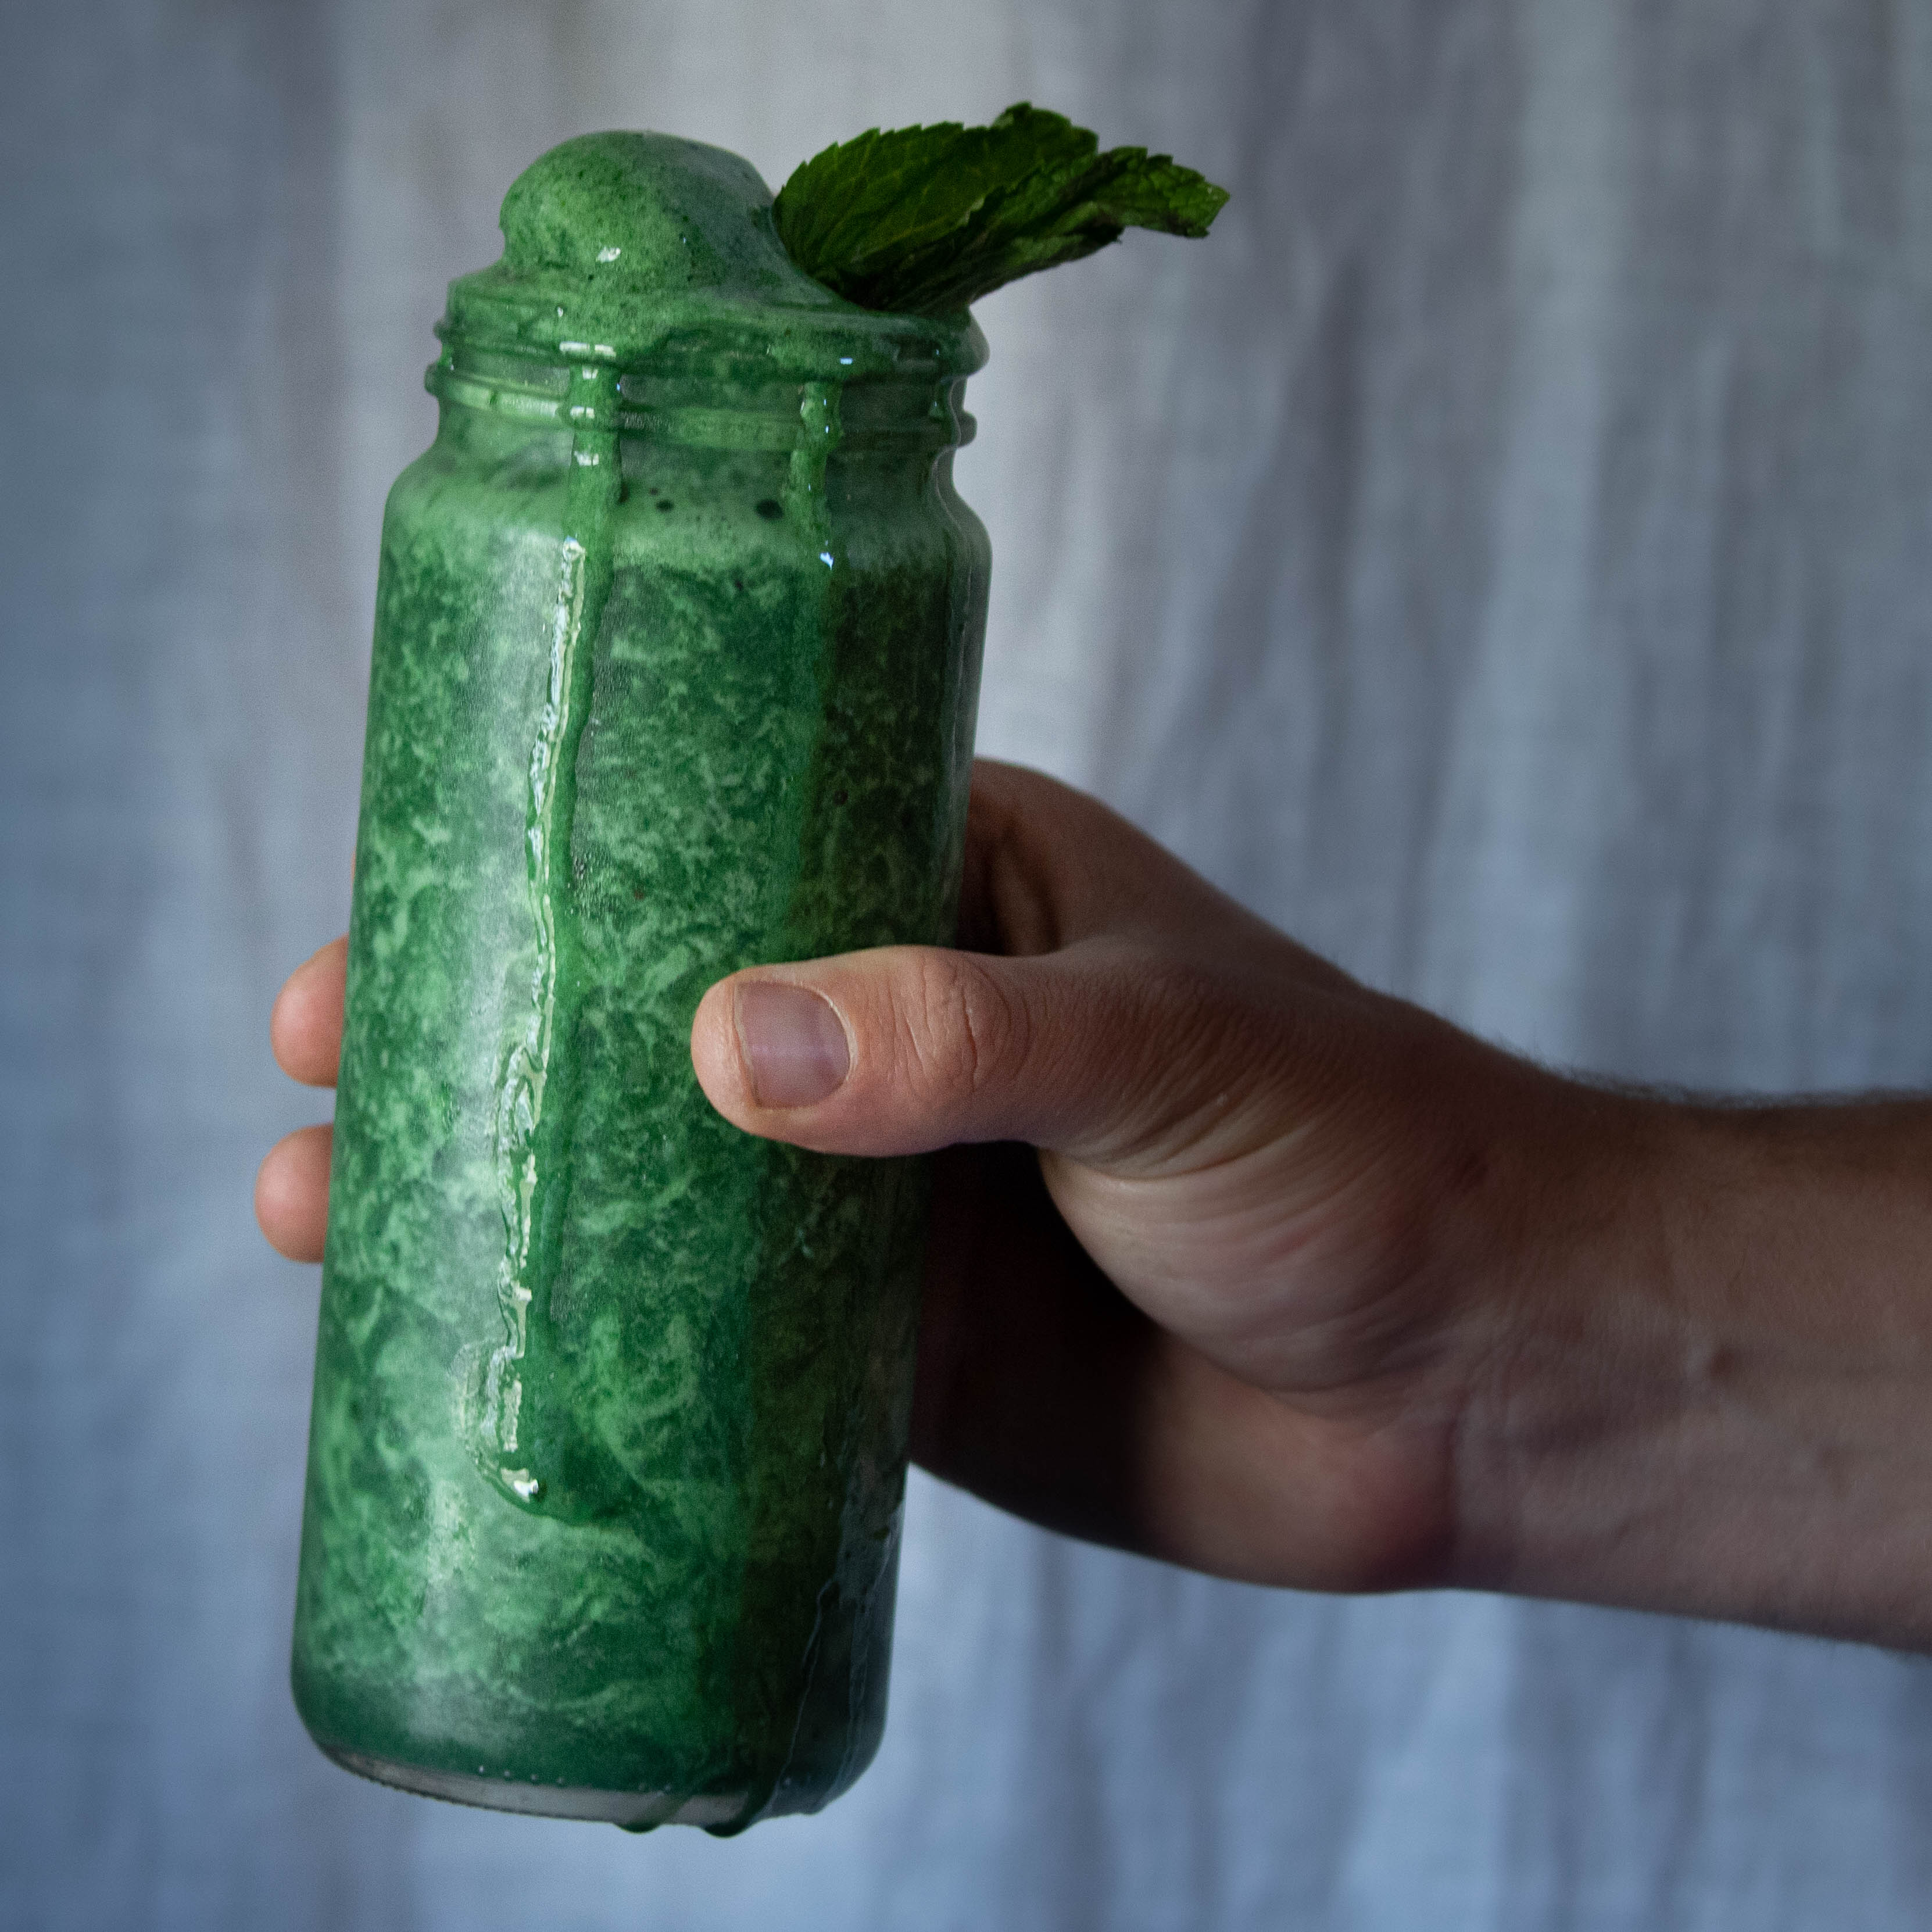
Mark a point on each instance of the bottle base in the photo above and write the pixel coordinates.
(634, 1810)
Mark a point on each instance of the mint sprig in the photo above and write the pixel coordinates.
(923, 220)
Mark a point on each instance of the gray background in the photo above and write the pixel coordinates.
(1503, 555)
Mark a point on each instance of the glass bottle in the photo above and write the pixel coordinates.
(675, 661)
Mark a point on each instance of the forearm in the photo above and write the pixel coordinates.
(1705, 1383)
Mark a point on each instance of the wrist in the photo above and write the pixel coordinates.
(1704, 1377)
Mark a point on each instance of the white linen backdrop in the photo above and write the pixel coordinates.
(1502, 555)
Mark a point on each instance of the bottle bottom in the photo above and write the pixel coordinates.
(634, 1810)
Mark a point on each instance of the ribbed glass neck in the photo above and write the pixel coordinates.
(715, 399)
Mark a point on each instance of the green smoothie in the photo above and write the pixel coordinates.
(676, 658)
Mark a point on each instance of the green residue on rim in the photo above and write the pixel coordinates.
(623, 248)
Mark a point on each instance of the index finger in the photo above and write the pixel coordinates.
(305, 1028)
(1045, 864)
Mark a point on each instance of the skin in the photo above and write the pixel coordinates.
(1240, 1264)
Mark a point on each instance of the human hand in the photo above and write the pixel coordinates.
(1210, 1320)
(1237, 1310)
(1307, 1287)
(1304, 1286)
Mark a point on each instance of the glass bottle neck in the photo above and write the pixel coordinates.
(717, 401)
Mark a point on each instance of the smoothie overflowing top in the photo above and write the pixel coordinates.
(638, 249)
(649, 214)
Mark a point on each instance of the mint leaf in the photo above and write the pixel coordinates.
(924, 220)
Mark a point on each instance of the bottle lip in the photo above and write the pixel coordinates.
(553, 316)
(702, 398)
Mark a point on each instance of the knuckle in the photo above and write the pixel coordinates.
(961, 1028)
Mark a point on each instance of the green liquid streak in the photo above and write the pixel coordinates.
(530, 1439)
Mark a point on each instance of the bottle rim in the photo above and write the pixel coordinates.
(545, 314)
(707, 400)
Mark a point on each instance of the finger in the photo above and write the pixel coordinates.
(292, 1193)
(1046, 865)
(1107, 1051)
(305, 1028)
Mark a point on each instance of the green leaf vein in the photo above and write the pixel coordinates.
(925, 220)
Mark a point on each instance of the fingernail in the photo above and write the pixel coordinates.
(793, 1045)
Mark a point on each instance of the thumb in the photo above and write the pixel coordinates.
(1096, 1052)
